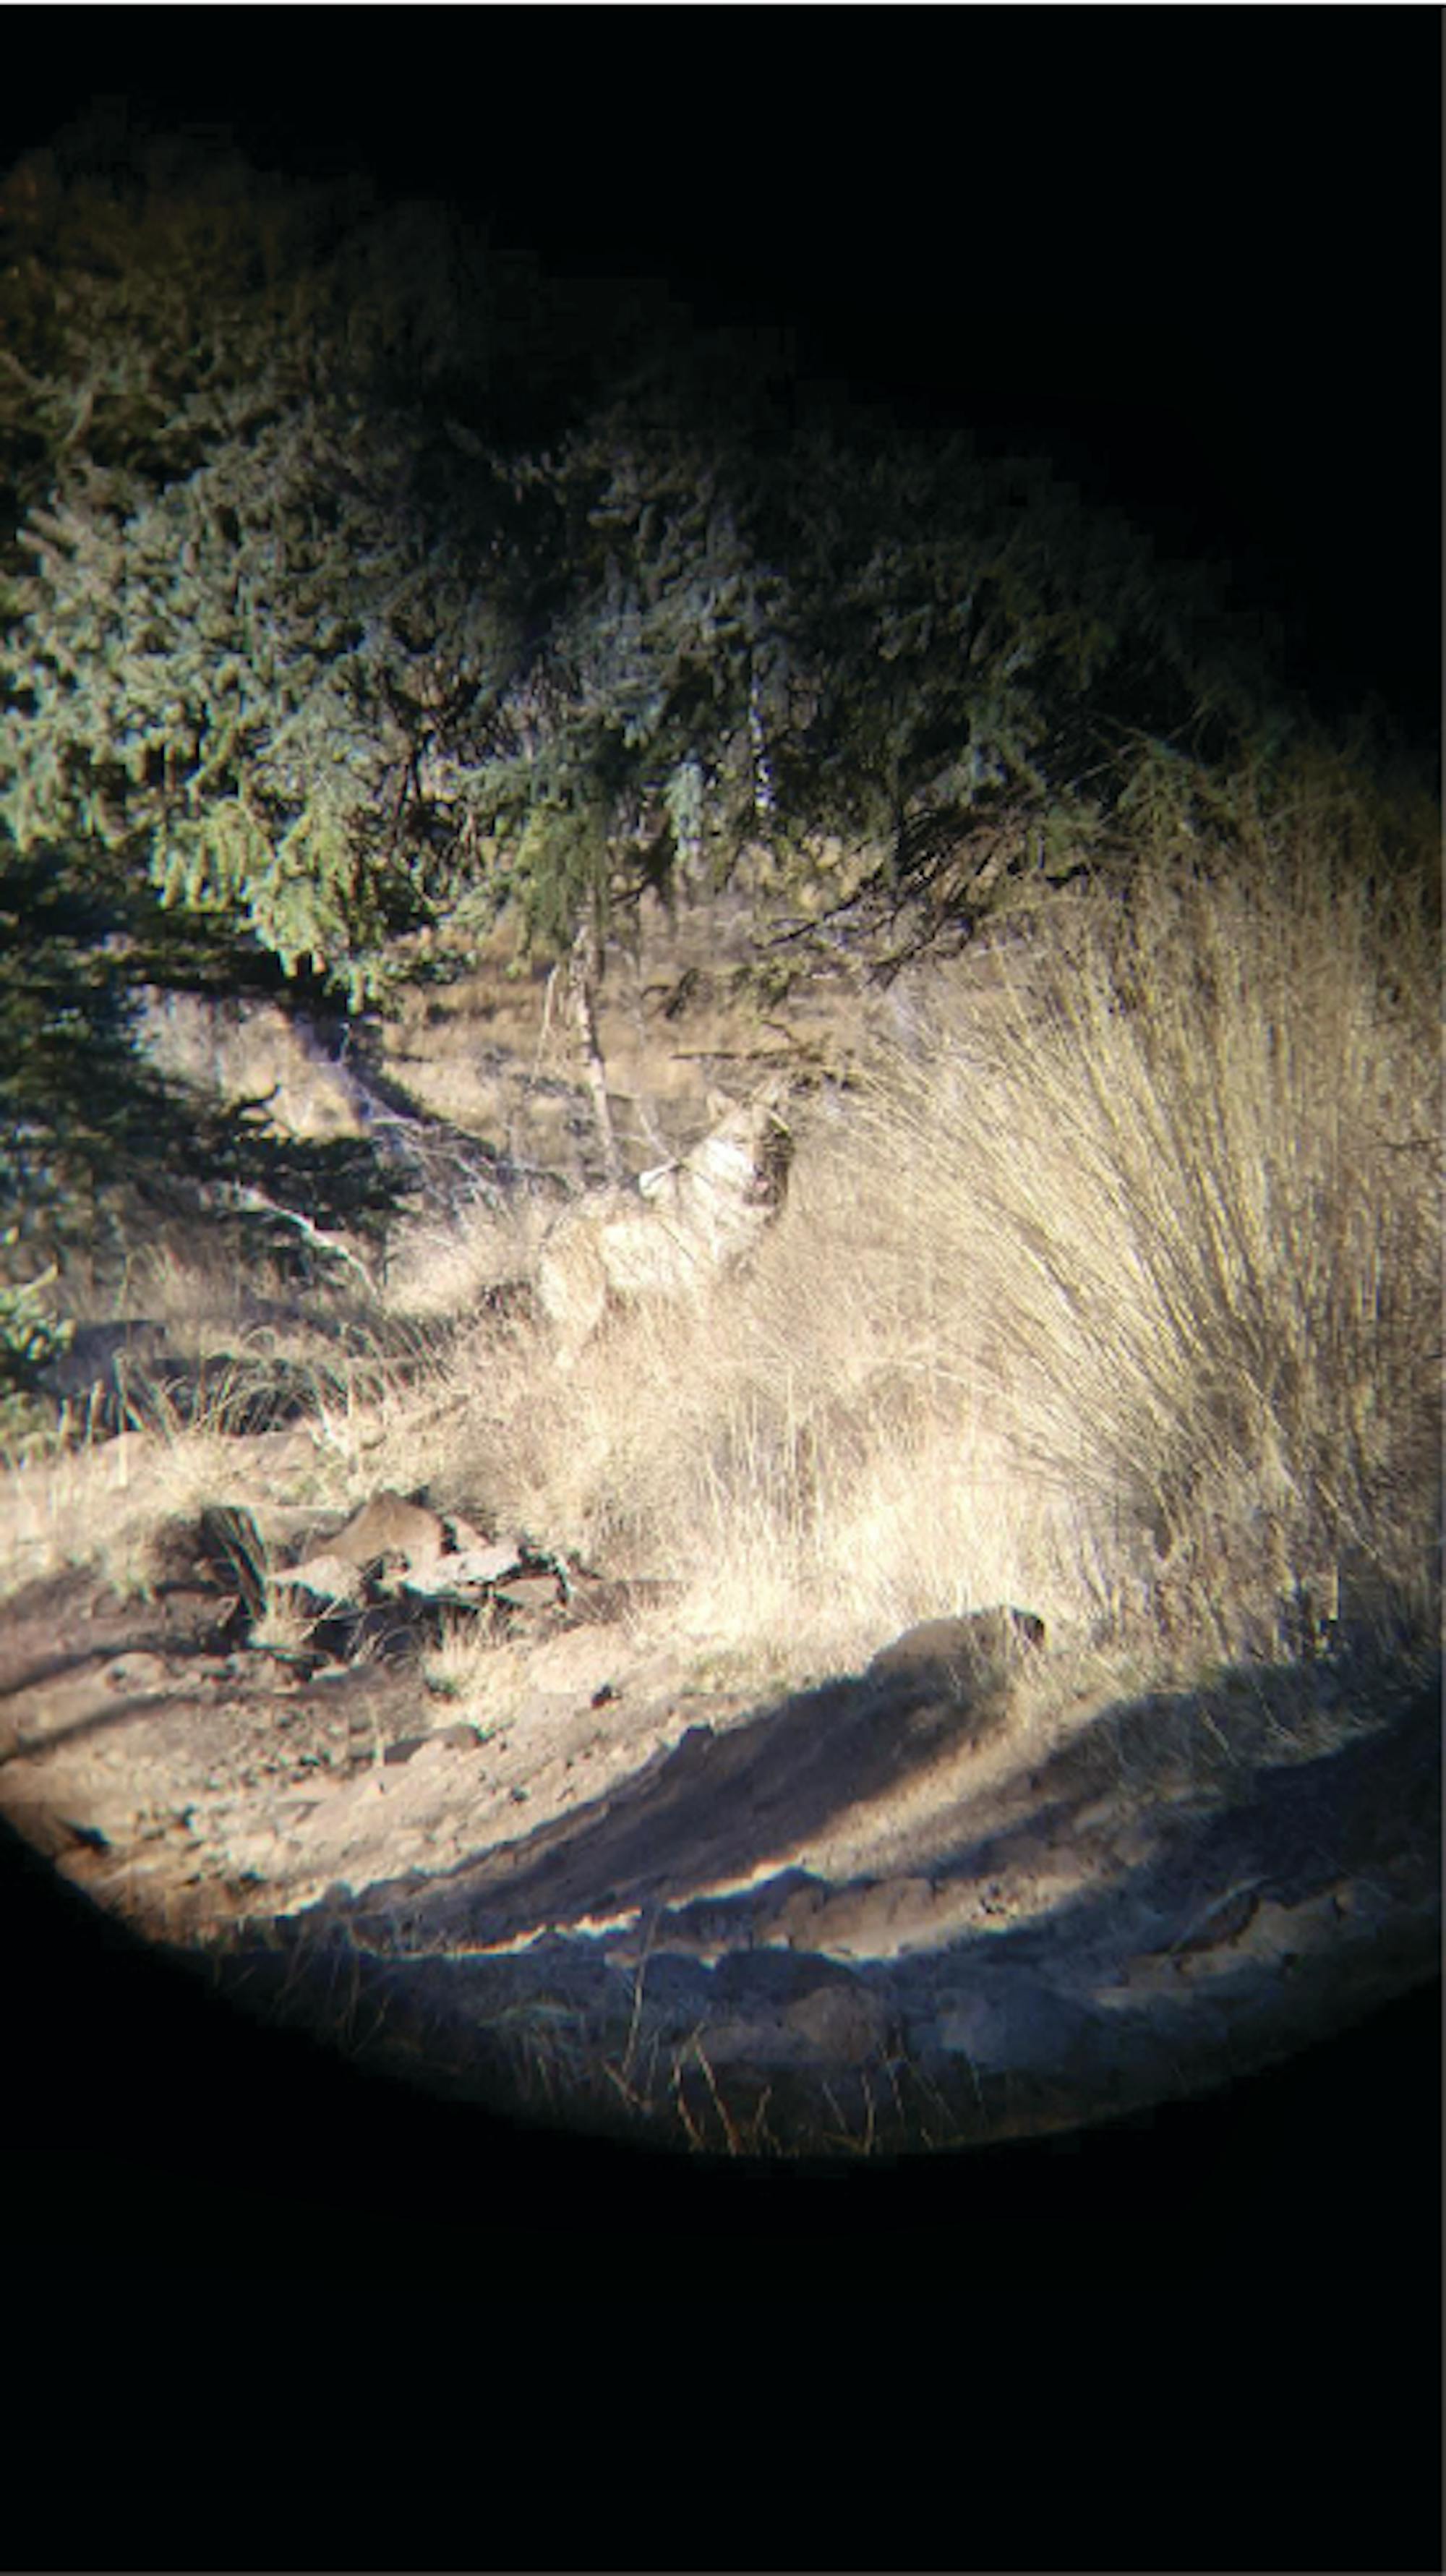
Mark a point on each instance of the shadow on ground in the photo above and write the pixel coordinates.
(1078, 1939)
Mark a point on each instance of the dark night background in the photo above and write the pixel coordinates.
(1194, 254)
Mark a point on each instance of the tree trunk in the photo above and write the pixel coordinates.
(585, 976)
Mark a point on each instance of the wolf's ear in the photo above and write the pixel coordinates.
(773, 1095)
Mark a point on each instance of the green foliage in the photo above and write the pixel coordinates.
(1359, 808)
(303, 639)
(836, 633)
(232, 682)
(256, 565)
(31, 1340)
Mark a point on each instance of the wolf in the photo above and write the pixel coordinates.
(684, 1223)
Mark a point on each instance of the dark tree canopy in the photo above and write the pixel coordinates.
(300, 627)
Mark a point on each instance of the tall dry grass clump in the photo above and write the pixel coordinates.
(1185, 1170)
(1113, 1292)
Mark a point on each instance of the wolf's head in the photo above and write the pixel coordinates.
(749, 1152)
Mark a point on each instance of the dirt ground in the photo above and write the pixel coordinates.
(977, 1891)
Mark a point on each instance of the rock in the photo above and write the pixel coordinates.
(842, 2021)
(963, 1656)
(474, 1568)
(331, 1578)
(389, 1526)
(535, 1590)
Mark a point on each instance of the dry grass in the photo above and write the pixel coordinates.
(1112, 1292)
(1115, 1295)
(106, 1502)
(1184, 1181)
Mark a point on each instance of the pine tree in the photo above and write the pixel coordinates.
(312, 634)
